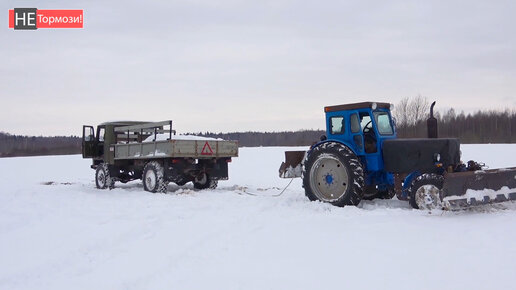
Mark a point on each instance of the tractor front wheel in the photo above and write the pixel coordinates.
(333, 174)
(425, 192)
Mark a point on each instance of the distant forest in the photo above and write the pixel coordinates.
(481, 127)
(15, 145)
(410, 115)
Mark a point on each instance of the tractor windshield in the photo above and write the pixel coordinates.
(384, 123)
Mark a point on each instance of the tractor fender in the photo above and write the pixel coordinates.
(320, 143)
(408, 181)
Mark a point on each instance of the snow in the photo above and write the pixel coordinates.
(58, 232)
(166, 136)
(291, 172)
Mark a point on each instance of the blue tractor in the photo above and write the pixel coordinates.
(360, 157)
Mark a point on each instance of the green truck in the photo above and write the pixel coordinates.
(128, 150)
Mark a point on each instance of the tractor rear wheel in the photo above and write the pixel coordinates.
(333, 174)
(153, 177)
(425, 191)
(103, 179)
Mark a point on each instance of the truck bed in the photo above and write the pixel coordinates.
(199, 148)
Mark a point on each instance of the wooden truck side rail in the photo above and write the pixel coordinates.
(153, 140)
(198, 149)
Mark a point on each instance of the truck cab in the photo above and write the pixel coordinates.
(95, 143)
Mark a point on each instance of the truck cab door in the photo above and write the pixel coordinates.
(88, 142)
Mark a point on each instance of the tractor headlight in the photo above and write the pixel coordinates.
(374, 106)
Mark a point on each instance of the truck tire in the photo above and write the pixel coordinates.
(153, 177)
(103, 179)
(425, 191)
(204, 181)
(333, 174)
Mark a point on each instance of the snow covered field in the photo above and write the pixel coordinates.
(58, 232)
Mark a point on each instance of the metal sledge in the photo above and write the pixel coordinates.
(471, 188)
(292, 167)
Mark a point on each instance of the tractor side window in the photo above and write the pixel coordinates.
(337, 125)
(384, 123)
(355, 124)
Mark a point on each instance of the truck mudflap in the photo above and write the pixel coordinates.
(293, 165)
(471, 188)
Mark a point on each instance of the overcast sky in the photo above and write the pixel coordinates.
(251, 65)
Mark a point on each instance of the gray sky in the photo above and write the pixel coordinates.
(251, 65)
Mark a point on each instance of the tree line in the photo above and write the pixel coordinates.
(473, 128)
(16, 145)
(477, 128)
(410, 115)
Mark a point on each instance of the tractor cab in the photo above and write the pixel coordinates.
(362, 127)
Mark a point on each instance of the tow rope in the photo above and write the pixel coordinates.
(273, 195)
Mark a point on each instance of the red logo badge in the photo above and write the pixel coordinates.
(32, 18)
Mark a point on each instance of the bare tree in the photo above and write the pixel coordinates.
(401, 112)
(418, 109)
(409, 111)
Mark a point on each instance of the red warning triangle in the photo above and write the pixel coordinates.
(206, 150)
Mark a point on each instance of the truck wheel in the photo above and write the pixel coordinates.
(153, 177)
(181, 183)
(425, 191)
(103, 179)
(203, 181)
(333, 174)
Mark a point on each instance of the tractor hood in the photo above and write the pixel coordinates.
(408, 155)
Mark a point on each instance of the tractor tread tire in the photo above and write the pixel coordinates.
(424, 179)
(354, 193)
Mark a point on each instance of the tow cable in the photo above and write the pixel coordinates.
(244, 190)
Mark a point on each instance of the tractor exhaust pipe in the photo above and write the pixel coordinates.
(431, 123)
